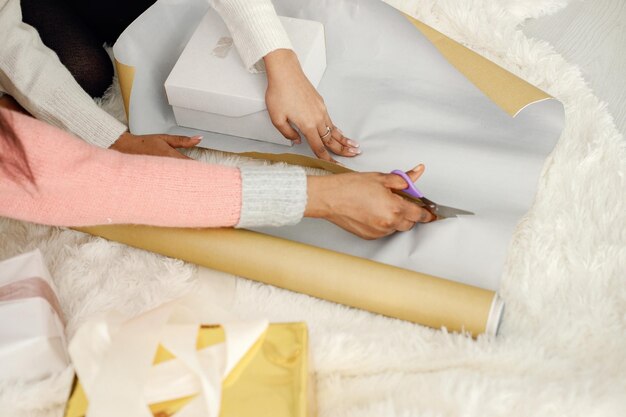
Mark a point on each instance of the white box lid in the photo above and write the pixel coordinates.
(205, 81)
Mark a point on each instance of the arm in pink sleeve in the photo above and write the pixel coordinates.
(80, 185)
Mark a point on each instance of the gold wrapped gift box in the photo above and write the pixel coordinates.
(271, 380)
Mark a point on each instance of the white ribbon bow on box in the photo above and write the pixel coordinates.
(113, 358)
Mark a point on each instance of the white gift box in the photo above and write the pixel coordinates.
(32, 339)
(210, 88)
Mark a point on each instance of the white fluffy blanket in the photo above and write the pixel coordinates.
(562, 346)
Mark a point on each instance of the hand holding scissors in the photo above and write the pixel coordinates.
(442, 212)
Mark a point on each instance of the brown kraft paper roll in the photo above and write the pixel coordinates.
(321, 273)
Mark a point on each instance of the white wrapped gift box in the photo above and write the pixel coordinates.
(32, 339)
(210, 88)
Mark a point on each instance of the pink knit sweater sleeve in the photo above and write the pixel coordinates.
(79, 185)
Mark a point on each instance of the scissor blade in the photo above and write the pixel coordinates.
(445, 212)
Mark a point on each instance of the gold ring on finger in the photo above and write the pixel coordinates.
(327, 134)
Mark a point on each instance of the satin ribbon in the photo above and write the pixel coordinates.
(113, 359)
(31, 288)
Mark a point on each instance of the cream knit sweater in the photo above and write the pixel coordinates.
(34, 76)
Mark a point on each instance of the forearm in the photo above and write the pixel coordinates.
(34, 76)
(78, 185)
(255, 28)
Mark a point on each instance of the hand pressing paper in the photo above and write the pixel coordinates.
(215, 92)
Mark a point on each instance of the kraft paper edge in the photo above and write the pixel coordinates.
(126, 77)
(511, 93)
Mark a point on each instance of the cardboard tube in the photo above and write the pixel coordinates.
(321, 273)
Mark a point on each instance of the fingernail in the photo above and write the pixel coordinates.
(197, 137)
(417, 168)
(353, 143)
(354, 151)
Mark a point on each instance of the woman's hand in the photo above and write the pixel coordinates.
(158, 145)
(291, 98)
(364, 204)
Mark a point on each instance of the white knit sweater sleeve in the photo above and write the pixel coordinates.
(272, 195)
(255, 28)
(34, 76)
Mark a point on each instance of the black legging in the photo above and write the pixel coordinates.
(77, 30)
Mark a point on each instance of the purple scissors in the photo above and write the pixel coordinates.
(442, 212)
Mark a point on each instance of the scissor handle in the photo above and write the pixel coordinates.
(410, 189)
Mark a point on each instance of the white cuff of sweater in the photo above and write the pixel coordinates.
(73, 110)
(272, 196)
(255, 28)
